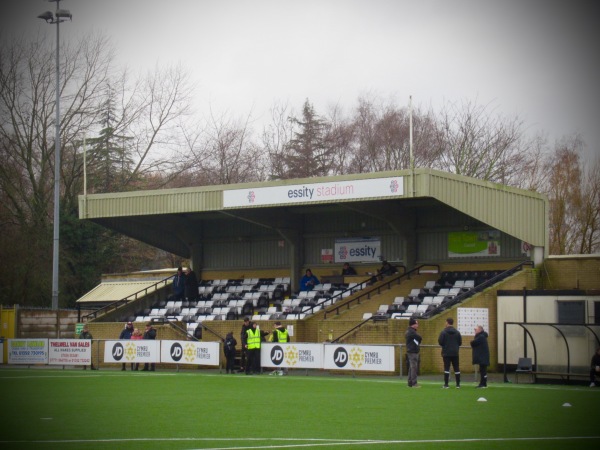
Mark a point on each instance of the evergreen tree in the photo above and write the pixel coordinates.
(110, 158)
(308, 153)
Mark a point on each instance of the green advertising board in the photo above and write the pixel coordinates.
(473, 243)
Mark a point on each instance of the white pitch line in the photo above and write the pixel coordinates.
(311, 442)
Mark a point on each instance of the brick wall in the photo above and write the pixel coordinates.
(576, 272)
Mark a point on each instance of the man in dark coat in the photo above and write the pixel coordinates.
(126, 334)
(179, 285)
(191, 285)
(229, 349)
(450, 340)
(481, 354)
(150, 333)
(413, 344)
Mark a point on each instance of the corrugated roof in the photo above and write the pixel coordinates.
(113, 291)
(164, 213)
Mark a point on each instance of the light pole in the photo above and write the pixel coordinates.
(59, 16)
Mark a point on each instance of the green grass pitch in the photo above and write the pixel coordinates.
(76, 409)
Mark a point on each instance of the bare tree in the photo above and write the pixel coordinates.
(231, 156)
(276, 137)
(564, 193)
(340, 139)
(159, 103)
(27, 109)
(381, 136)
(475, 143)
(589, 215)
(27, 124)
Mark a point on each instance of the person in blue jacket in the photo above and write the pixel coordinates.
(308, 281)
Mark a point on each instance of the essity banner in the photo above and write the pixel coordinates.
(73, 352)
(190, 352)
(358, 250)
(291, 355)
(360, 357)
(126, 351)
(316, 192)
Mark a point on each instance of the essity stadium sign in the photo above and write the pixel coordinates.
(317, 192)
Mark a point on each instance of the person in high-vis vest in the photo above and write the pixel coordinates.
(253, 339)
(280, 334)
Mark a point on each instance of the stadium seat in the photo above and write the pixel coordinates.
(398, 300)
(524, 366)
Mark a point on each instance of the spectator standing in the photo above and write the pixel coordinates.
(191, 285)
(253, 343)
(280, 334)
(244, 336)
(450, 340)
(413, 348)
(150, 333)
(126, 334)
(179, 285)
(85, 334)
(347, 269)
(595, 369)
(229, 345)
(481, 354)
(308, 281)
(136, 336)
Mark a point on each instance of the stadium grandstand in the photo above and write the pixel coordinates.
(461, 248)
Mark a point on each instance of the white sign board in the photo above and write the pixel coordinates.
(360, 357)
(314, 192)
(126, 351)
(190, 352)
(27, 351)
(292, 355)
(358, 250)
(469, 318)
(77, 352)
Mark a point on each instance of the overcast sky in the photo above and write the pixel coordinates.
(536, 59)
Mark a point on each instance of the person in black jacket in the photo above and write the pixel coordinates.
(191, 285)
(348, 270)
(481, 354)
(229, 350)
(450, 340)
(413, 347)
(179, 285)
(126, 334)
(243, 336)
(150, 333)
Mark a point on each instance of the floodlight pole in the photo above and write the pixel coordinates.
(56, 19)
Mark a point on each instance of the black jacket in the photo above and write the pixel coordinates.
(411, 337)
(229, 345)
(450, 340)
(150, 334)
(191, 285)
(126, 333)
(481, 350)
